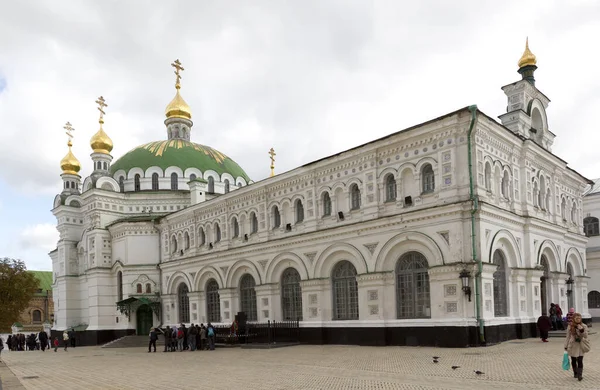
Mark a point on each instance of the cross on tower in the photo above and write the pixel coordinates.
(101, 104)
(272, 155)
(177, 65)
(69, 131)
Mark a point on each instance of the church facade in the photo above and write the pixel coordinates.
(456, 232)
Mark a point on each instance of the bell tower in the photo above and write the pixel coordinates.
(526, 108)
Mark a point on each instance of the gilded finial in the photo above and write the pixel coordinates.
(272, 155)
(69, 132)
(178, 108)
(69, 164)
(528, 58)
(101, 105)
(177, 65)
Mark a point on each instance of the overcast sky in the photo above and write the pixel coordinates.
(309, 78)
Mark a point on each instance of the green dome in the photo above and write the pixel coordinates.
(178, 153)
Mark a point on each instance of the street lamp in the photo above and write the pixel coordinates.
(569, 283)
(465, 277)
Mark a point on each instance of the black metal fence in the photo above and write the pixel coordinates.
(270, 332)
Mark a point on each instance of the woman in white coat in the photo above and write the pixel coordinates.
(577, 344)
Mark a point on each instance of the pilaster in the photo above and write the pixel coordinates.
(229, 303)
(375, 296)
(268, 302)
(316, 299)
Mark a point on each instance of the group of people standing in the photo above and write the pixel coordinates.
(182, 338)
(32, 342)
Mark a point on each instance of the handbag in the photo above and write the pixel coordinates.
(585, 345)
(565, 363)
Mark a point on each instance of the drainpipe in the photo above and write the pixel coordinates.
(474, 208)
(159, 269)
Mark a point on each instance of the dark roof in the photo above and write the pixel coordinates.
(139, 218)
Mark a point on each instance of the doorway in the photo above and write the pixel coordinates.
(544, 284)
(144, 320)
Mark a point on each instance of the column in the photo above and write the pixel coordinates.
(168, 308)
(518, 295)
(487, 290)
(581, 299)
(533, 289)
(316, 300)
(267, 301)
(195, 305)
(448, 299)
(376, 300)
(229, 303)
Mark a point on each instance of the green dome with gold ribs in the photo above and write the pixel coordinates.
(178, 153)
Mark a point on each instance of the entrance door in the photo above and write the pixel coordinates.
(544, 284)
(144, 320)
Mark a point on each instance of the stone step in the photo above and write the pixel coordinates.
(563, 333)
(133, 342)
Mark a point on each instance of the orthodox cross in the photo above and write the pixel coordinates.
(272, 156)
(178, 68)
(101, 104)
(69, 130)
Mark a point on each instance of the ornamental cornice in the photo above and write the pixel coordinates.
(320, 282)
(375, 276)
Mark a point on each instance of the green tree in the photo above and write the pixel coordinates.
(17, 287)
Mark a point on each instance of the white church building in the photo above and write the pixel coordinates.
(458, 231)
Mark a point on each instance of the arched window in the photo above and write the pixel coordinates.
(253, 223)
(412, 287)
(326, 200)
(299, 211)
(488, 176)
(276, 217)
(211, 185)
(174, 181)
(248, 297)
(345, 291)
(36, 316)
(390, 188)
(544, 285)
(136, 183)
(186, 239)
(500, 290)
(67, 184)
(354, 197)
(591, 226)
(594, 300)
(563, 209)
(226, 186)
(192, 177)
(173, 244)
(155, 181)
(506, 185)
(201, 237)
(184, 303)
(213, 301)
(217, 233)
(428, 178)
(148, 288)
(291, 295)
(570, 297)
(105, 166)
(235, 228)
(122, 184)
(138, 288)
(119, 286)
(574, 213)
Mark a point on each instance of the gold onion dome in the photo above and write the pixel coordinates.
(101, 142)
(178, 108)
(69, 164)
(528, 58)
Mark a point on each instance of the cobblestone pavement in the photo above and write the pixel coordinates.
(519, 364)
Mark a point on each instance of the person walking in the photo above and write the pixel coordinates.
(192, 337)
(153, 337)
(544, 325)
(202, 337)
(56, 344)
(66, 339)
(210, 331)
(577, 344)
(72, 337)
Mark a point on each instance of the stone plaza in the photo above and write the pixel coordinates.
(519, 364)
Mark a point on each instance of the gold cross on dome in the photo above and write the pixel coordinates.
(177, 65)
(69, 130)
(272, 155)
(101, 104)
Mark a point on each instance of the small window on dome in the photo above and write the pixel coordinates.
(67, 185)
(211, 185)
(192, 177)
(226, 186)
(155, 181)
(136, 183)
(174, 183)
(105, 165)
(122, 184)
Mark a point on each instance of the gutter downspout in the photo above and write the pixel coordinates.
(159, 268)
(474, 208)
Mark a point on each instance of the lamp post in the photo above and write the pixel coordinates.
(465, 277)
(569, 283)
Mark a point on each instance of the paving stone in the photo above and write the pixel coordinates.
(522, 364)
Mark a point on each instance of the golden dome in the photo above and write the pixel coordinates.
(528, 58)
(178, 108)
(101, 142)
(69, 164)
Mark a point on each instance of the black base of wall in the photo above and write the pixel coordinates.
(94, 337)
(439, 336)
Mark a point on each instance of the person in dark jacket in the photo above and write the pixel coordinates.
(72, 337)
(544, 325)
(167, 333)
(43, 337)
(153, 337)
